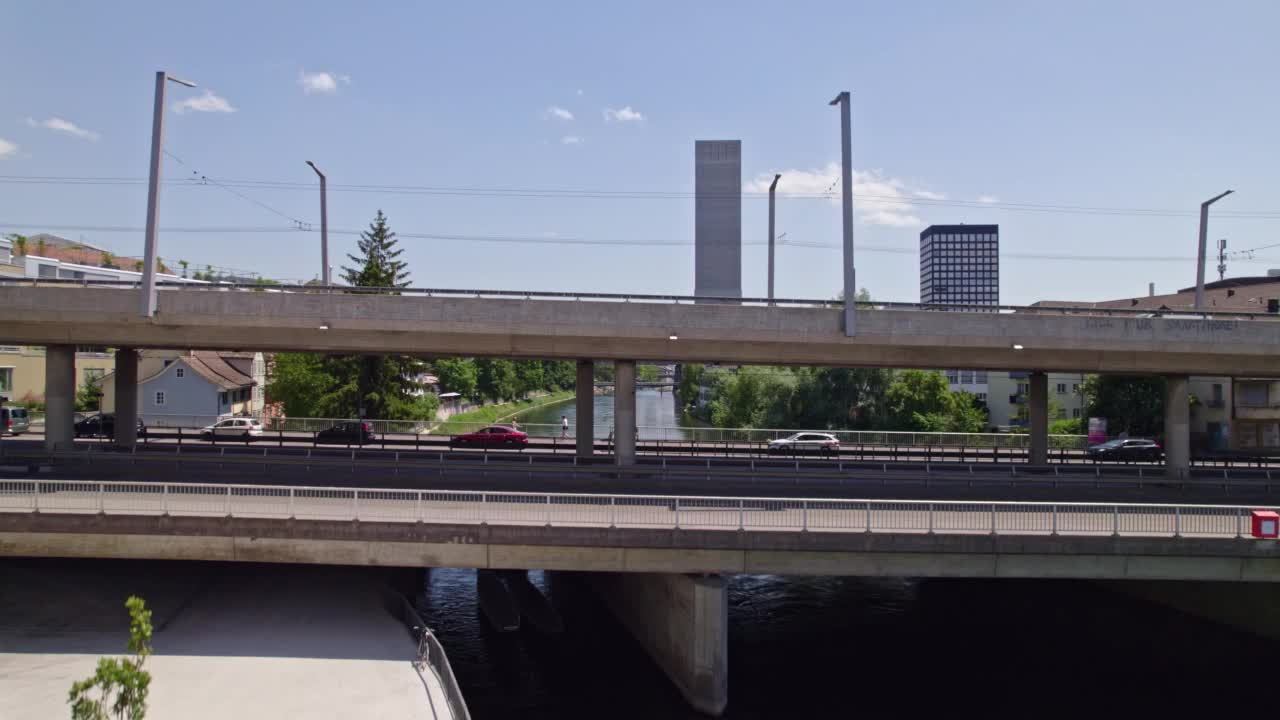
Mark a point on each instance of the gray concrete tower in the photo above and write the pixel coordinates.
(717, 253)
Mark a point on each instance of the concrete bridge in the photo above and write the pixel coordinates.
(658, 561)
(630, 328)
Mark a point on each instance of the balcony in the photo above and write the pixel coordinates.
(1257, 412)
(1017, 399)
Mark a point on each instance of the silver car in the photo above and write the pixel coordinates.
(241, 428)
(14, 420)
(805, 442)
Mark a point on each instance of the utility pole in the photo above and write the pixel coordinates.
(1204, 233)
(772, 186)
(153, 196)
(846, 206)
(324, 227)
(1222, 259)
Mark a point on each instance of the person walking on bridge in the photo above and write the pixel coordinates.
(564, 426)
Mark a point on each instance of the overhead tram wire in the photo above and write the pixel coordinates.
(549, 193)
(203, 178)
(643, 243)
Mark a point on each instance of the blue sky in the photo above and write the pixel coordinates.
(1142, 105)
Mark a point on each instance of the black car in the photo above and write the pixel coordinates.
(1127, 450)
(103, 425)
(346, 433)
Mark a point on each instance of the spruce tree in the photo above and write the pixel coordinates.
(377, 386)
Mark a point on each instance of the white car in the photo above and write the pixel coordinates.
(806, 442)
(240, 428)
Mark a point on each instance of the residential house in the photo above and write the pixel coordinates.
(185, 389)
(22, 371)
(1226, 413)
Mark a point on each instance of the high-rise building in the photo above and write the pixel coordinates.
(960, 265)
(717, 252)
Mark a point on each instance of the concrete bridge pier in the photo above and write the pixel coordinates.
(624, 411)
(1177, 427)
(126, 428)
(585, 409)
(1038, 416)
(59, 396)
(682, 621)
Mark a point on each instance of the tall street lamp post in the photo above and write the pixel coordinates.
(324, 227)
(846, 207)
(153, 195)
(1204, 232)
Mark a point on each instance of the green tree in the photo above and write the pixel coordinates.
(603, 372)
(119, 686)
(302, 382)
(647, 373)
(19, 243)
(89, 396)
(41, 247)
(496, 379)
(108, 261)
(1133, 405)
(922, 400)
(184, 265)
(839, 398)
(689, 388)
(457, 375)
(560, 374)
(378, 386)
(530, 376)
(138, 265)
(377, 265)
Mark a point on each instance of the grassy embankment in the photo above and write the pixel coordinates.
(491, 414)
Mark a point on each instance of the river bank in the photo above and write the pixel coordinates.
(492, 414)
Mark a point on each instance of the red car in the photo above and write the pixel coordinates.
(492, 436)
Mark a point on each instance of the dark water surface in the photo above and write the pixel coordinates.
(845, 647)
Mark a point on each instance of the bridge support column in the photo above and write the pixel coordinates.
(1038, 415)
(59, 396)
(682, 622)
(126, 397)
(624, 412)
(585, 409)
(1177, 427)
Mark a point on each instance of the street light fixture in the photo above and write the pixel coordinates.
(846, 207)
(772, 186)
(1204, 232)
(324, 227)
(153, 195)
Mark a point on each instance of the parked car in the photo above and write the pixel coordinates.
(1127, 450)
(103, 425)
(14, 420)
(346, 433)
(801, 443)
(238, 428)
(492, 436)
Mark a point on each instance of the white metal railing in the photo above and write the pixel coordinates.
(632, 511)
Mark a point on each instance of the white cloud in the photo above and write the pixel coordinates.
(930, 195)
(208, 102)
(988, 199)
(65, 126)
(877, 198)
(570, 140)
(558, 112)
(7, 148)
(626, 114)
(322, 82)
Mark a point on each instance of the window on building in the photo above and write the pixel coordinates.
(982, 397)
(1062, 388)
(167, 363)
(1217, 395)
(1023, 388)
(159, 397)
(180, 373)
(1075, 387)
(1062, 413)
(980, 377)
(1251, 394)
(222, 398)
(1075, 413)
(6, 379)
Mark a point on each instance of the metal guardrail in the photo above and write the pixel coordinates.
(430, 656)
(663, 512)
(637, 297)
